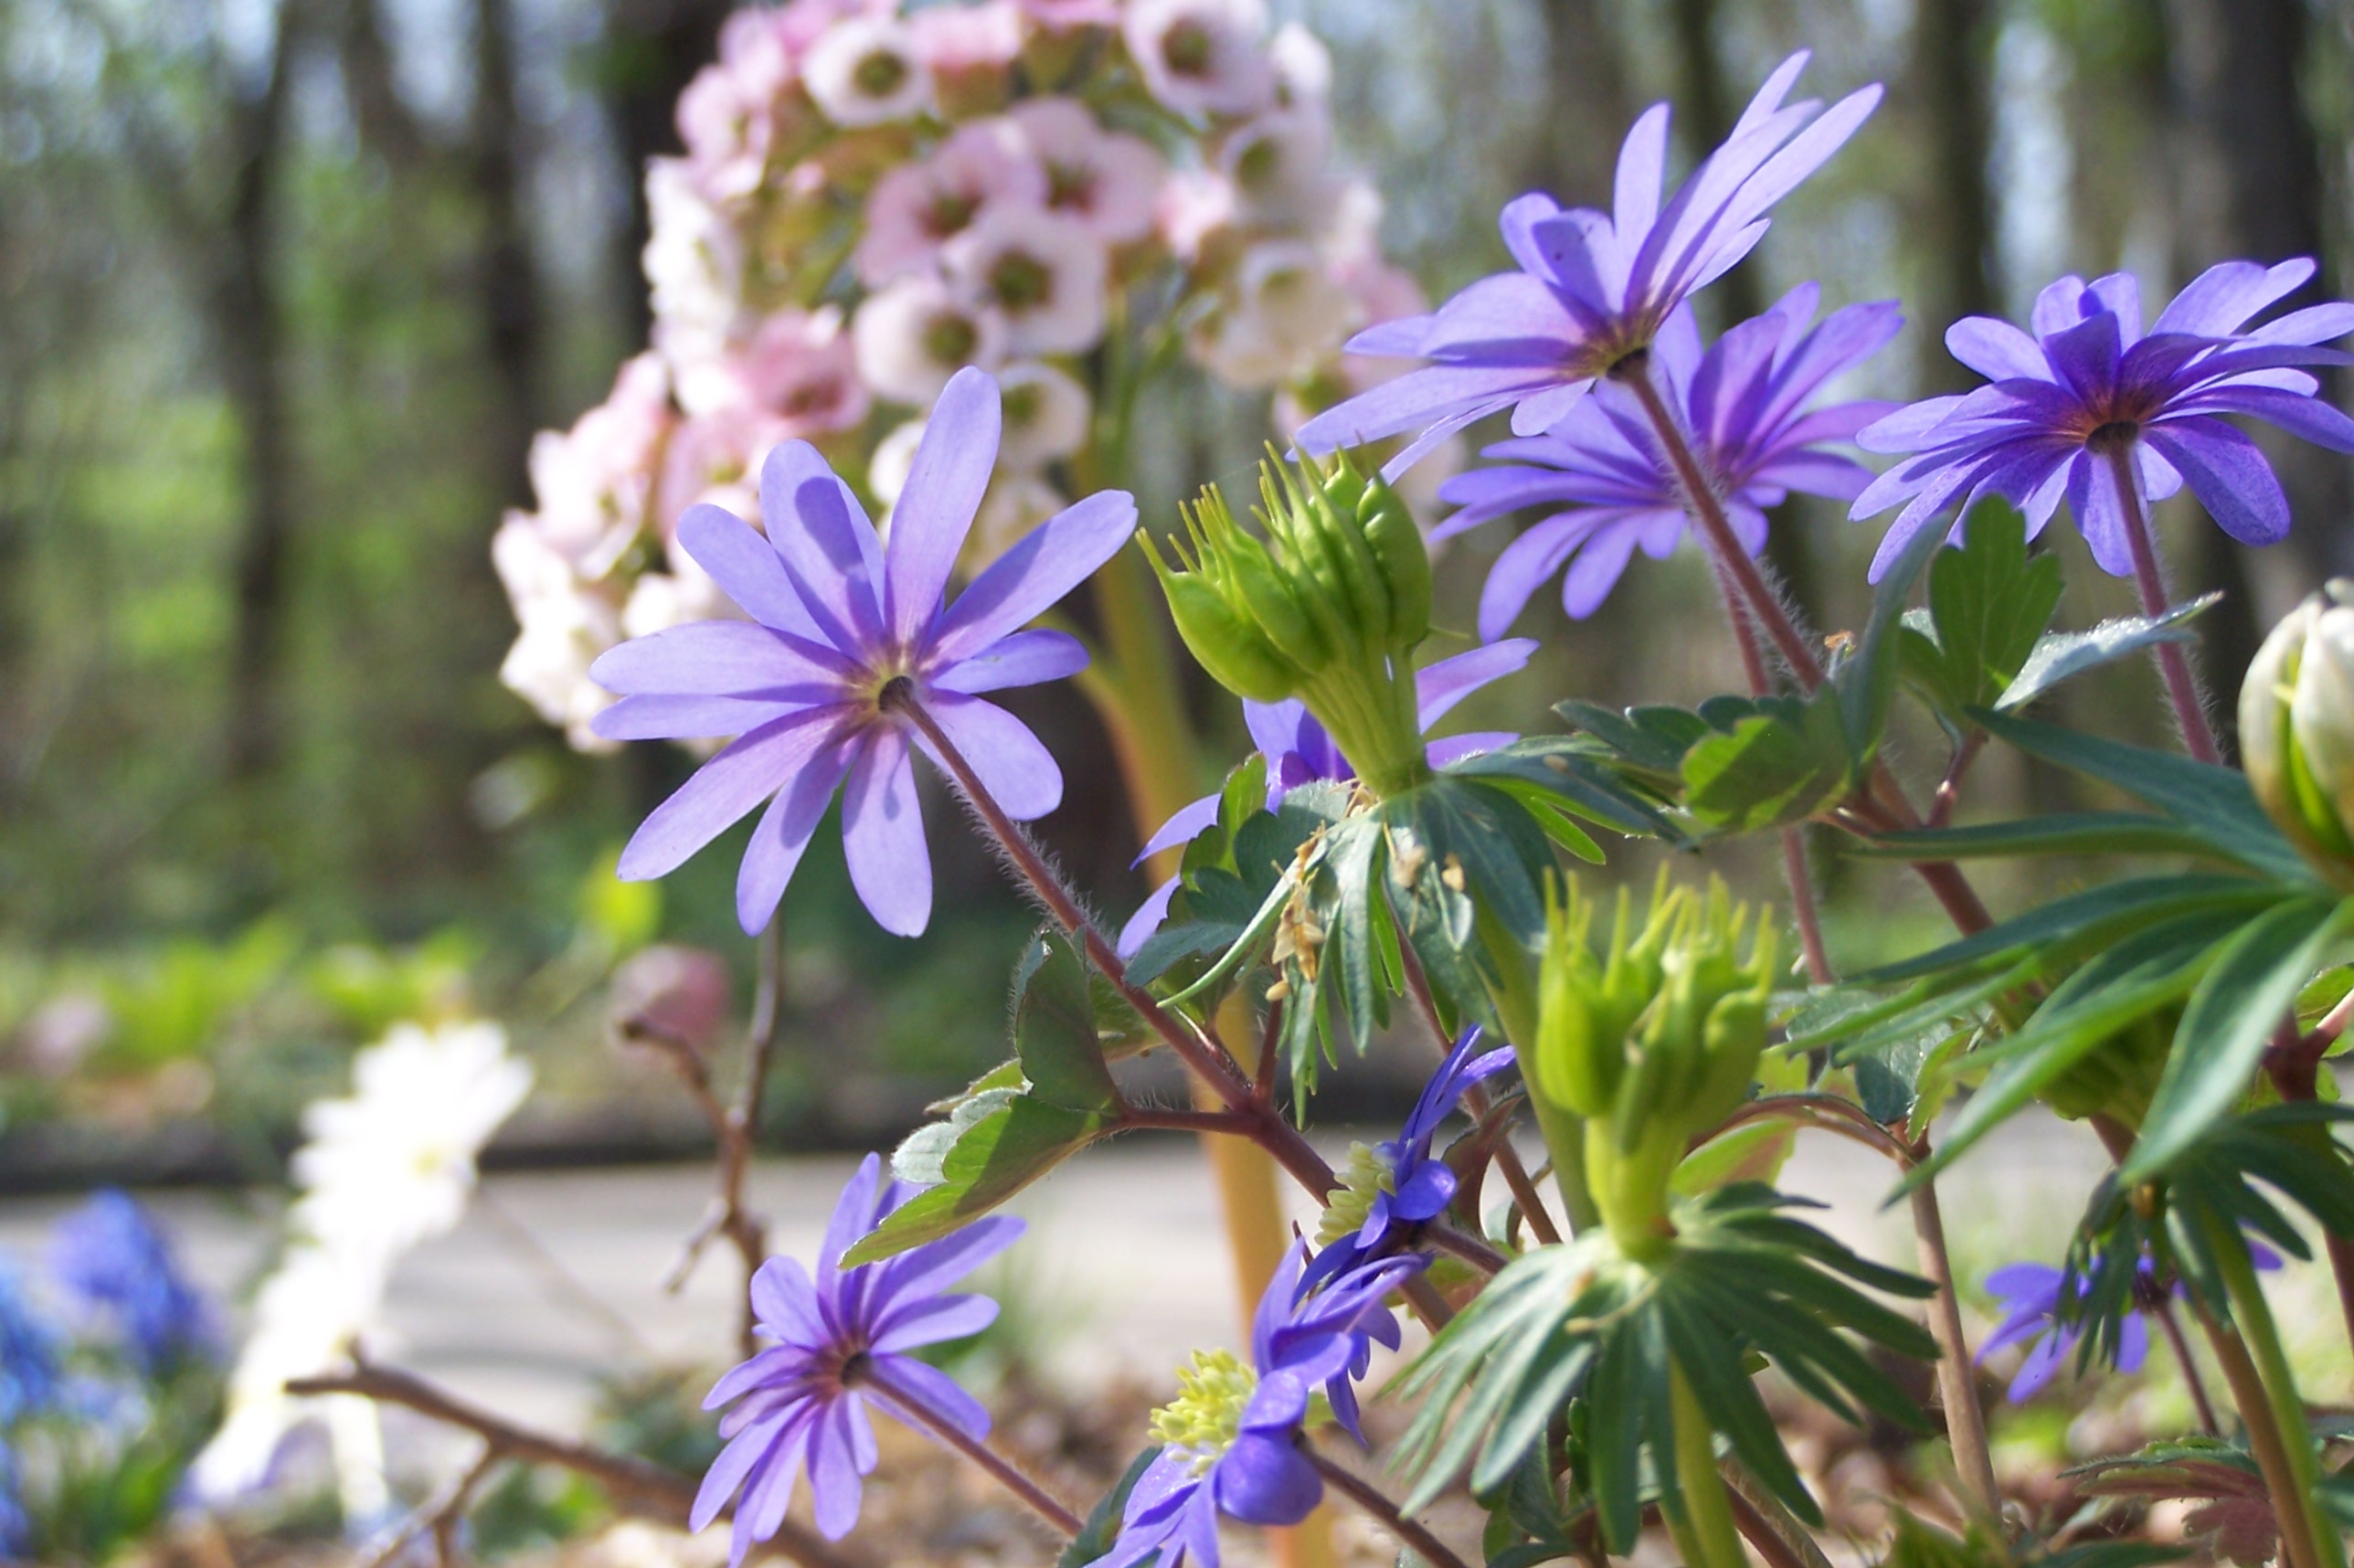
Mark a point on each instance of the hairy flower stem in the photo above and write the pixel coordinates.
(1426, 1545)
(2171, 1327)
(1943, 877)
(1957, 1389)
(2252, 1316)
(2299, 1538)
(1232, 1086)
(1002, 1470)
(2181, 685)
(1705, 1533)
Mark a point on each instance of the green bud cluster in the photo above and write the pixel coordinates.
(1652, 1043)
(1328, 607)
(2296, 728)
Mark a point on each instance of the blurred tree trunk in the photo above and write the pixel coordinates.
(653, 49)
(2250, 182)
(1952, 46)
(1588, 113)
(243, 306)
(508, 284)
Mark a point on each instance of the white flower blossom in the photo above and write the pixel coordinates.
(918, 208)
(867, 70)
(1283, 311)
(1042, 273)
(1107, 179)
(912, 335)
(1045, 415)
(1202, 56)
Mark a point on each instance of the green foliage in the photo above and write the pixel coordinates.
(1581, 1320)
(1989, 603)
(1102, 1529)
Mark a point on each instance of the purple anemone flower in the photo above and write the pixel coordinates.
(32, 1374)
(1744, 404)
(2089, 383)
(1418, 1184)
(1253, 1470)
(1593, 287)
(110, 1257)
(1298, 750)
(843, 1341)
(838, 617)
(2029, 1294)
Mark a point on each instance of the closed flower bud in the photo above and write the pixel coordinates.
(1331, 603)
(2296, 727)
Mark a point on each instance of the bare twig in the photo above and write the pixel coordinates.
(636, 1485)
(1377, 1503)
(735, 1129)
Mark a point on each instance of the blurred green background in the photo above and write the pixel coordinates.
(287, 285)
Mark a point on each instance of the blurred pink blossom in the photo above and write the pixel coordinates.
(918, 208)
(913, 334)
(867, 71)
(1043, 273)
(969, 49)
(1107, 179)
(1202, 56)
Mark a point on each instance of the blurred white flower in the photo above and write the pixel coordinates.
(1281, 313)
(660, 600)
(968, 50)
(563, 625)
(727, 132)
(1303, 66)
(918, 208)
(1042, 273)
(394, 1164)
(306, 1316)
(1015, 504)
(1108, 180)
(1195, 205)
(1060, 16)
(894, 459)
(865, 71)
(383, 1170)
(1202, 56)
(913, 334)
(1045, 415)
(694, 266)
(1279, 165)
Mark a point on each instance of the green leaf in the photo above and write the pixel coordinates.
(2063, 655)
(1990, 601)
(1647, 739)
(2241, 999)
(1782, 763)
(1055, 1032)
(2096, 915)
(1559, 769)
(2129, 982)
(1866, 683)
(1005, 1149)
(2216, 801)
(1097, 1537)
(2068, 832)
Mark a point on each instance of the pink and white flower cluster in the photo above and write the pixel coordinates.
(875, 194)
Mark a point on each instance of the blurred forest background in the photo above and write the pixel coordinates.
(287, 285)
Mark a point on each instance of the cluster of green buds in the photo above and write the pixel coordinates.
(1643, 1050)
(2296, 728)
(1327, 608)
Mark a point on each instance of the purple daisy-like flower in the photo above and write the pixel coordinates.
(1593, 287)
(839, 620)
(1744, 404)
(110, 1257)
(2029, 1294)
(2089, 386)
(1416, 1184)
(1250, 1468)
(1298, 750)
(843, 1341)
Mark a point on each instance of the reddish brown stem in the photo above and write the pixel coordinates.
(999, 1469)
(2149, 579)
(1374, 1501)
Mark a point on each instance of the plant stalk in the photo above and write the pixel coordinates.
(1957, 1377)
(1002, 1470)
(1428, 1547)
(2149, 579)
(1707, 1534)
(2251, 1314)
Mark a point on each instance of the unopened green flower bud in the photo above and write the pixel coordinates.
(1328, 608)
(2296, 728)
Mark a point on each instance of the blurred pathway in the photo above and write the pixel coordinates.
(554, 1279)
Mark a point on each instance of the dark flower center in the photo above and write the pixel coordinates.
(1020, 282)
(949, 212)
(880, 74)
(1188, 50)
(1070, 185)
(949, 339)
(2114, 436)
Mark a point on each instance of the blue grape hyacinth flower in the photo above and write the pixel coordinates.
(111, 1257)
